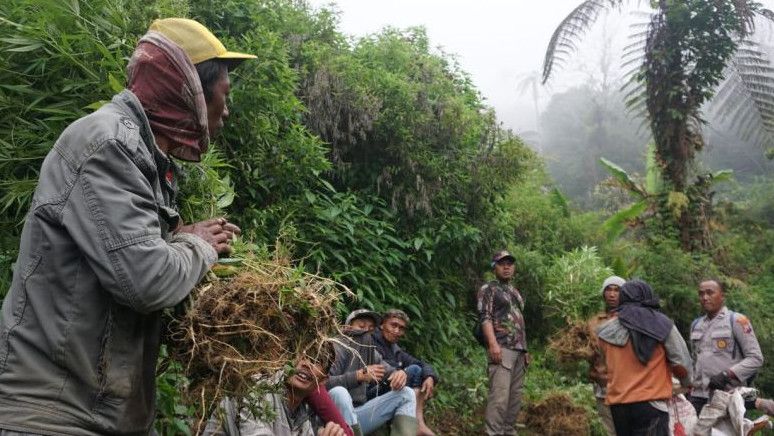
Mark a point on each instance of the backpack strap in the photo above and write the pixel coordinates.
(732, 318)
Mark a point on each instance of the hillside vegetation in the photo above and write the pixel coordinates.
(377, 163)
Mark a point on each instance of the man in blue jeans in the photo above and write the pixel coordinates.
(357, 363)
(420, 376)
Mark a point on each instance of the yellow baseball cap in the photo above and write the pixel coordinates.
(196, 40)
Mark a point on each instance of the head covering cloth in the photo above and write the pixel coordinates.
(639, 313)
(165, 81)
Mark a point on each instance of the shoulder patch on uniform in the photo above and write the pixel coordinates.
(744, 323)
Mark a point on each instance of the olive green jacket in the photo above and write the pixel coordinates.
(81, 325)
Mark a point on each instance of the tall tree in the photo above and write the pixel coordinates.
(689, 47)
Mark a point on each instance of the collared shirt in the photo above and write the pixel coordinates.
(501, 304)
(718, 346)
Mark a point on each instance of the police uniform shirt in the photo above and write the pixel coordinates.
(725, 342)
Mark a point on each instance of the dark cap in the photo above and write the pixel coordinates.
(362, 313)
(500, 255)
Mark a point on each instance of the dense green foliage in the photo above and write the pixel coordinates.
(376, 163)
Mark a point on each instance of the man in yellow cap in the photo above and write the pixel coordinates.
(103, 250)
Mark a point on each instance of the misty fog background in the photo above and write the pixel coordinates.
(579, 115)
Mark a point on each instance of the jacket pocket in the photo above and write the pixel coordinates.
(114, 382)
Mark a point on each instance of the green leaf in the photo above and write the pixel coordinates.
(616, 224)
(341, 258)
(723, 175)
(225, 200)
(328, 185)
(115, 85)
(331, 213)
(623, 178)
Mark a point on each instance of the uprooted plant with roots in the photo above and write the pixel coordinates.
(249, 326)
(573, 344)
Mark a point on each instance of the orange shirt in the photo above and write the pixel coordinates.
(629, 381)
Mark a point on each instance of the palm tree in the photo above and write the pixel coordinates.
(688, 49)
(530, 83)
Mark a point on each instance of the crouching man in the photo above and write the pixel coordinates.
(420, 375)
(357, 364)
(292, 415)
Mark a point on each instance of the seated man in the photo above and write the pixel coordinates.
(292, 415)
(420, 376)
(357, 363)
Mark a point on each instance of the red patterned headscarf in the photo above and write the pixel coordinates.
(165, 81)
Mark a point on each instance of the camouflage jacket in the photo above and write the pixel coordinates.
(501, 304)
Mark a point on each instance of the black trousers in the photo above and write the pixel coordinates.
(639, 419)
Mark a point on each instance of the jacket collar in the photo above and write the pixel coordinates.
(131, 106)
(379, 338)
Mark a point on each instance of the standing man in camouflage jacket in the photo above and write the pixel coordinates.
(500, 308)
(103, 249)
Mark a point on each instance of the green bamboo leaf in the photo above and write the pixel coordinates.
(26, 48)
(19, 88)
(328, 186)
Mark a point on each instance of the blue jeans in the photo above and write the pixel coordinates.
(413, 380)
(374, 413)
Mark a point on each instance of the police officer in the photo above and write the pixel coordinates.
(726, 353)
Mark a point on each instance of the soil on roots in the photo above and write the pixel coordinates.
(573, 344)
(557, 415)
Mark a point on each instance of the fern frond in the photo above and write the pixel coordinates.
(564, 40)
(745, 100)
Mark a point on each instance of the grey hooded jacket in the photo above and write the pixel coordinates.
(354, 351)
(81, 324)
